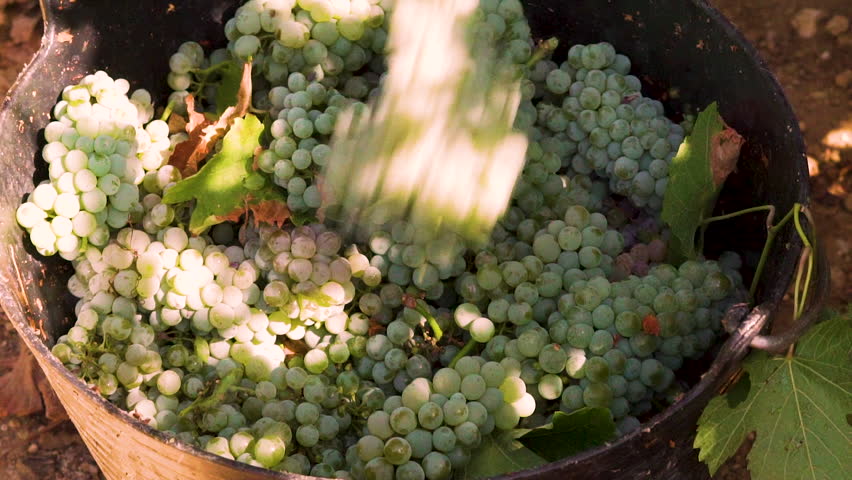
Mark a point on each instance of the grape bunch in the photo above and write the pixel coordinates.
(610, 130)
(97, 153)
(392, 353)
(306, 114)
(407, 257)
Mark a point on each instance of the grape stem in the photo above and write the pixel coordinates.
(806, 259)
(545, 48)
(465, 350)
(168, 111)
(420, 307)
(217, 396)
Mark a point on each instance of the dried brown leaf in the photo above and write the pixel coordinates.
(292, 347)
(53, 408)
(272, 212)
(177, 123)
(23, 28)
(724, 152)
(203, 134)
(19, 394)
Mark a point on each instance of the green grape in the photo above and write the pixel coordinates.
(378, 424)
(597, 369)
(531, 342)
(370, 447)
(444, 439)
(601, 342)
(473, 386)
(493, 373)
(481, 329)
(597, 395)
(437, 466)
(513, 389)
(397, 451)
(580, 335)
(455, 412)
(552, 358)
(550, 386)
(378, 468)
(410, 471)
(420, 441)
(628, 324)
(403, 420)
(446, 381)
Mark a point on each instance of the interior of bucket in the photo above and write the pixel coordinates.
(683, 51)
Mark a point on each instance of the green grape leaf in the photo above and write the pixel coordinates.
(800, 406)
(696, 174)
(571, 433)
(204, 132)
(228, 85)
(499, 453)
(227, 187)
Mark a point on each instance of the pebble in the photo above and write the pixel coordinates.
(805, 21)
(33, 448)
(837, 25)
(843, 79)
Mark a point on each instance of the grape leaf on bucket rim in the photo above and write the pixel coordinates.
(798, 405)
(220, 187)
(696, 174)
(571, 433)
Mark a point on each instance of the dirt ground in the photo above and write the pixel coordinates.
(807, 44)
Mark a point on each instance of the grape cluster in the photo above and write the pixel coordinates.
(306, 113)
(396, 355)
(413, 260)
(607, 127)
(97, 153)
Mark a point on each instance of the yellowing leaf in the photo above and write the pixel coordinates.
(705, 159)
(226, 187)
(799, 407)
(499, 453)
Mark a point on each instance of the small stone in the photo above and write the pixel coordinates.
(803, 126)
(805, 21)
(843, 79)
(837, 25)
(33, 448)
(825, 55)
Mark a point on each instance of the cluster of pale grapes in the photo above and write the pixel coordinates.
(391, 357)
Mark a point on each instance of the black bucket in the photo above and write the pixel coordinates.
(684, 51)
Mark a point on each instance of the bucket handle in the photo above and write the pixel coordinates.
(780, 342)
